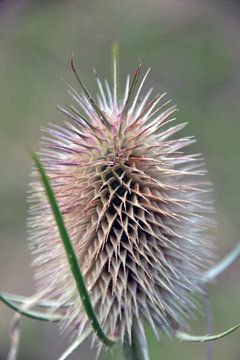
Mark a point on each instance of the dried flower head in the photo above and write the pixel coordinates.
(136, 208)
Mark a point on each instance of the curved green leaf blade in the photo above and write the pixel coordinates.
(31, 314)
(205, 338)
(72, 259)
(222, 265)
(42, 303)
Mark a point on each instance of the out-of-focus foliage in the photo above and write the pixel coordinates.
(194, 51)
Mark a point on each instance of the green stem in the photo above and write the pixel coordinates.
(138, 349)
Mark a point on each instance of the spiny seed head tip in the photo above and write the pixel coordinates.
(136, 207)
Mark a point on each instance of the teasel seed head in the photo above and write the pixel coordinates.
(136, 207)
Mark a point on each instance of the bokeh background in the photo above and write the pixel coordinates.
(193, 47)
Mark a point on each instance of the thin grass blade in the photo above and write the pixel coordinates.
(222, 265)
(205, 338)
(42, 303)
(30, 314)
(73, 262)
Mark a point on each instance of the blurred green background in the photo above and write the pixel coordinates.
(193, 48)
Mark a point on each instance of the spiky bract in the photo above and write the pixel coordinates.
(135, 206)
